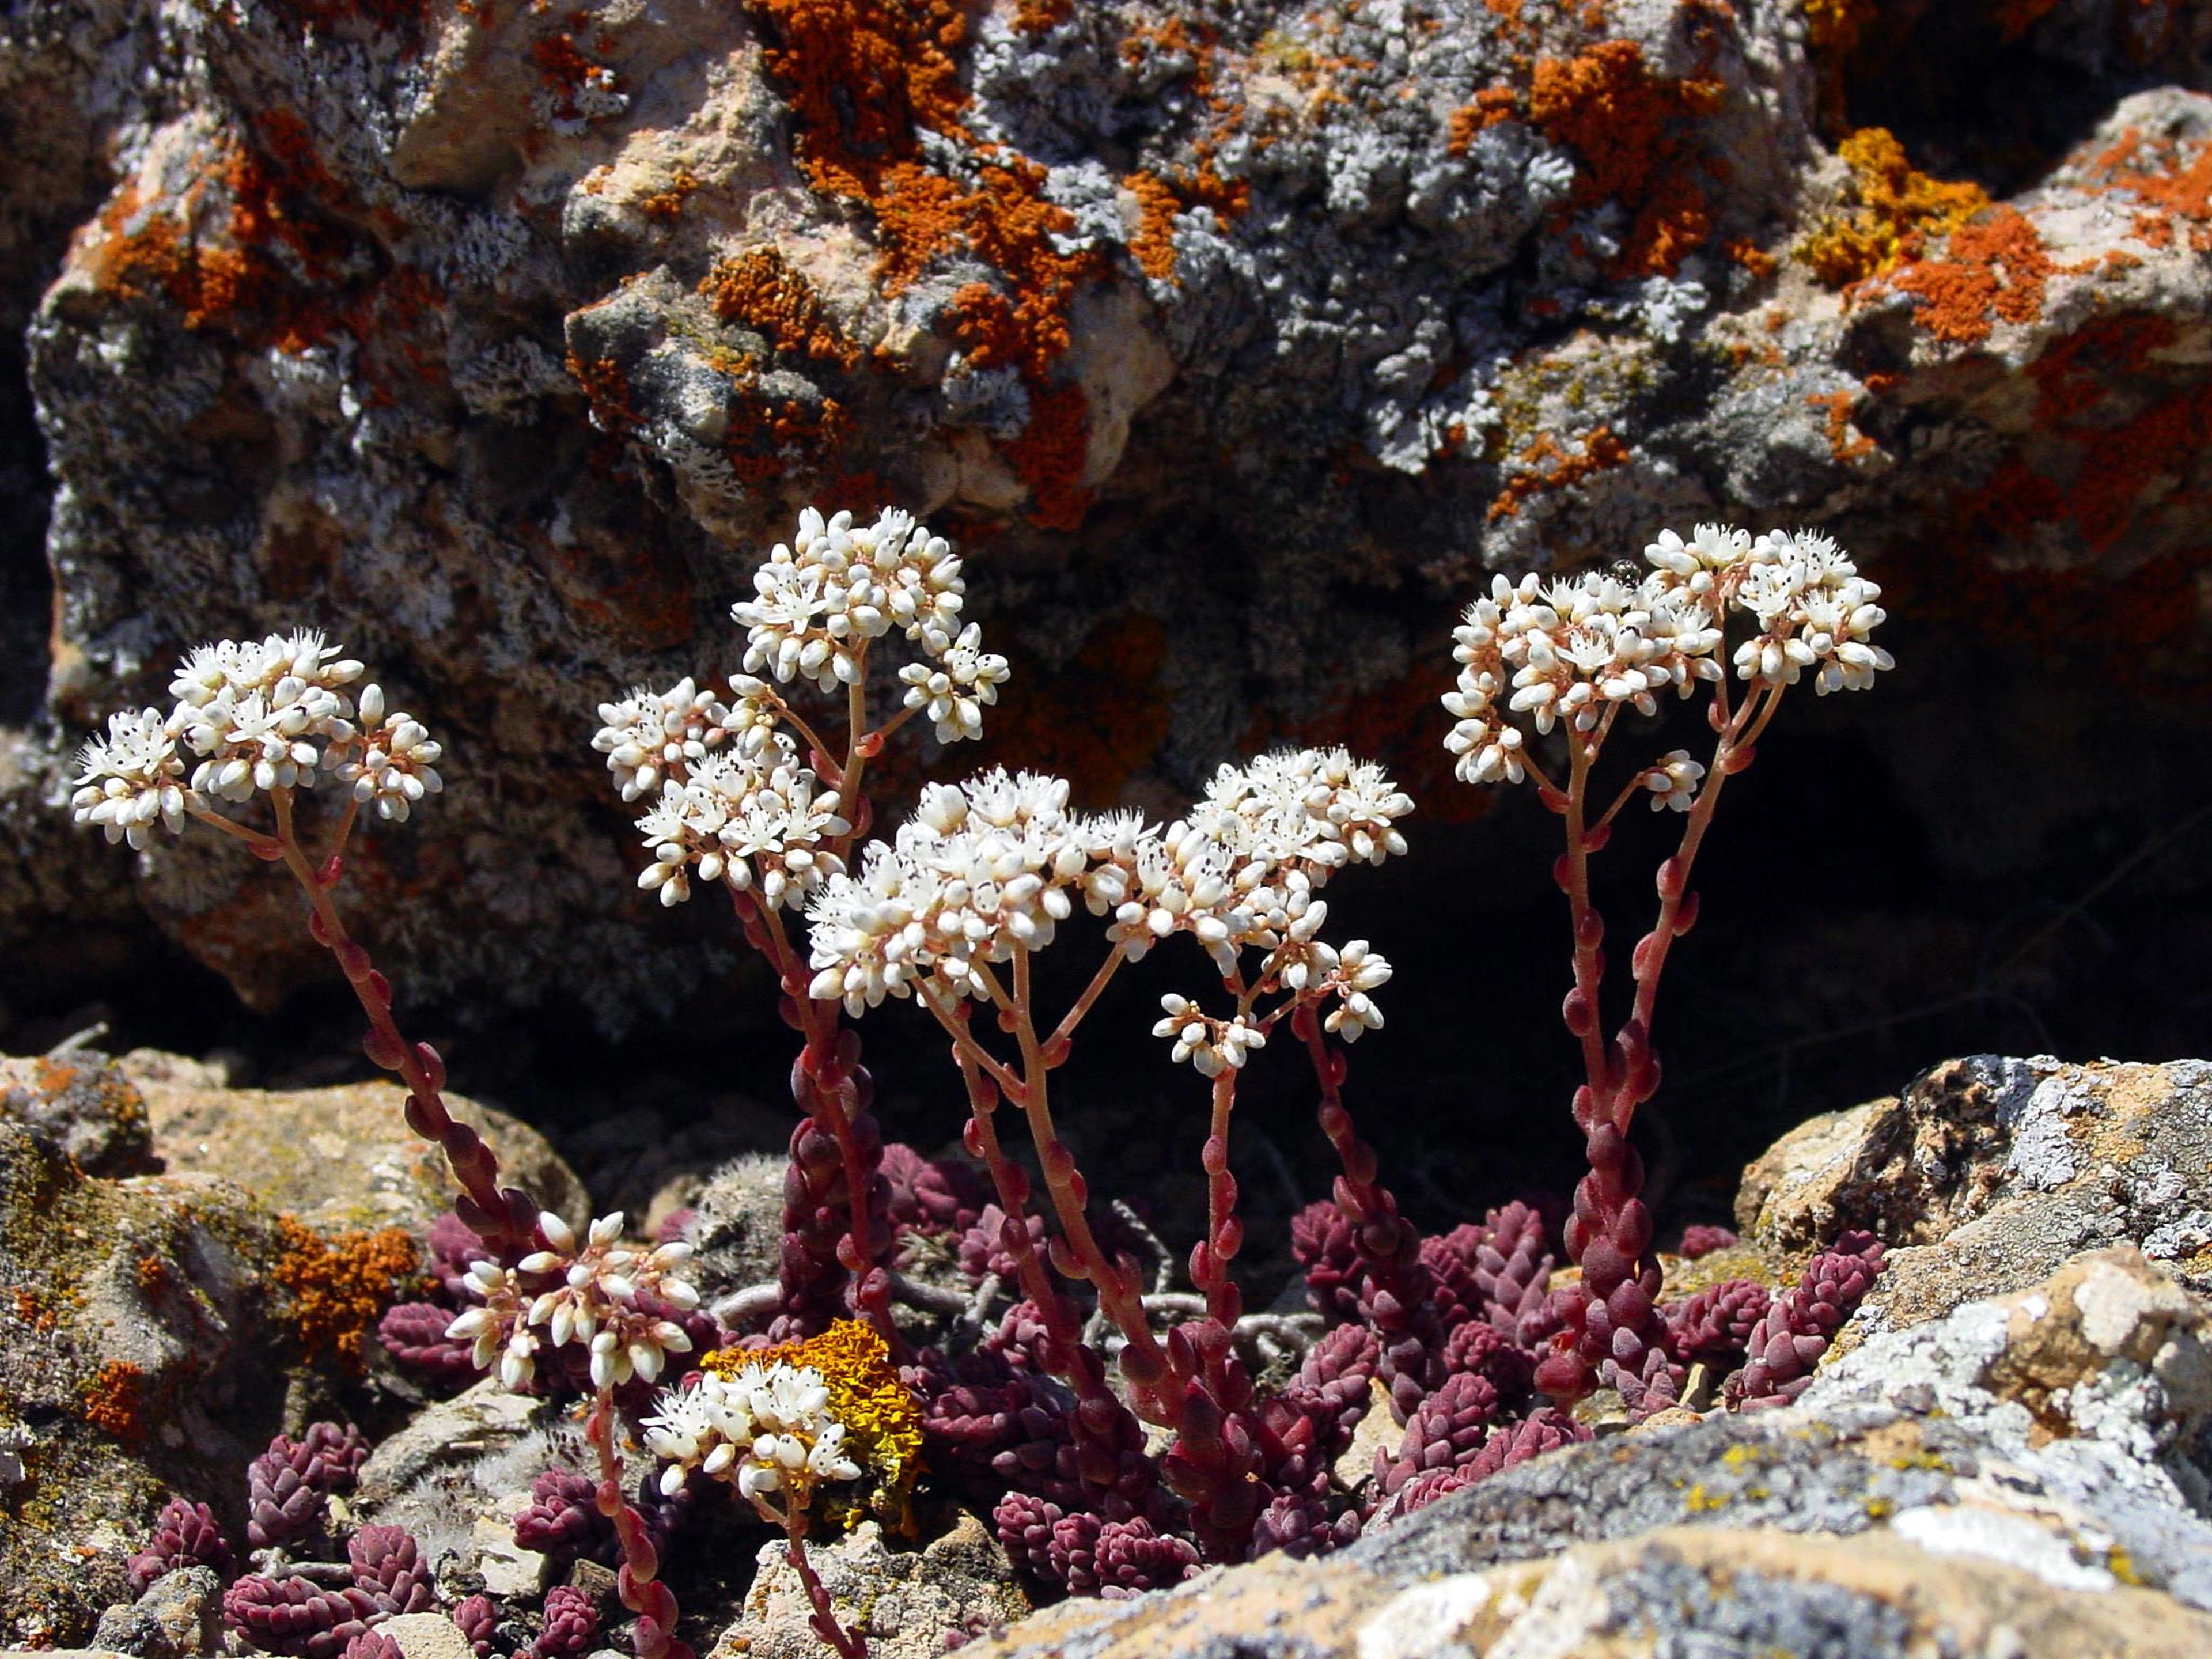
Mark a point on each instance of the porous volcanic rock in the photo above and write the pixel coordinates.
(1235, 340)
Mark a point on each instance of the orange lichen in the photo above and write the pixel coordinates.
(1751, 256)
(1492, 105)
(1846, 441)
(864, 79)
(564, 71)
(1835, 26)
(1894, 213)
(759, 289)
(1627, 126)
(1048, 457)
(1992, 270)
(1036, 16)
(2111, 440)
(334, 1289)
(1600, 450)
(668, 204)
(2176, 189)
(114, 1398)
(31, 1308)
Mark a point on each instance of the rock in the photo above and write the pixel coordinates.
(906, 1603)
(2012, 1479)
(738, 1226)
(145, 1328)
(338, 1158)
(1987, 1174)
(83, 1104)
(427, 1636)
(179, 1617)
(485, 1420)
(513, 340)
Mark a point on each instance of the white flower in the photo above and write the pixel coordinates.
(732, 821)
(132, 779)
(1542, 652)
(1211, 1045)
(818, 601)
(389, 761)
(649, 735)
(976, 871)
(1674, 782)
(963, 681)
(589, 1297)
(768, 1430)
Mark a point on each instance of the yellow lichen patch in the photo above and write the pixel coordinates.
(758, 289)
(334, 1289)
(1893, 212)
(882, 1419)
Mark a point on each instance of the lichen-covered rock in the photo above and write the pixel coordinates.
(84, 1106)
(2015, 1478)
(1238, 337)
(337, 1157)
(179, 1617)
(907, 1602)
(144, 1325)
(1986, 1174)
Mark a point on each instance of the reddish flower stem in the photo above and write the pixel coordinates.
(638, 1579)
(1224, 1234)
(504, 1218)
(849, 1644)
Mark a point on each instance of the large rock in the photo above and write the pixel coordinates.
(1235, 339)
(337, 1157)
(156, 1330)
(2012, 1479)
(1986, 1174)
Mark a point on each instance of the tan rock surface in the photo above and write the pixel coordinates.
(337, 1157)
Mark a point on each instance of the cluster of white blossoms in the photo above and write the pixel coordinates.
(589, 1296)
(730, 798)
(258, 716)
(996, 863)
(819, 599)
(981, 868)
(649, 736)
(1211, 1045)
(766, 1430)
(956, 685)
(1574, 647)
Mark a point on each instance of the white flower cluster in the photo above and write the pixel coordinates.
(260, 715)
(998, 862)
(732, 800)
(957, 686)
(818, 602)
(979, 869)
(652, 735)
(766, 1430)
(1571, 648)
(1209, 1044)
(588, 1296)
